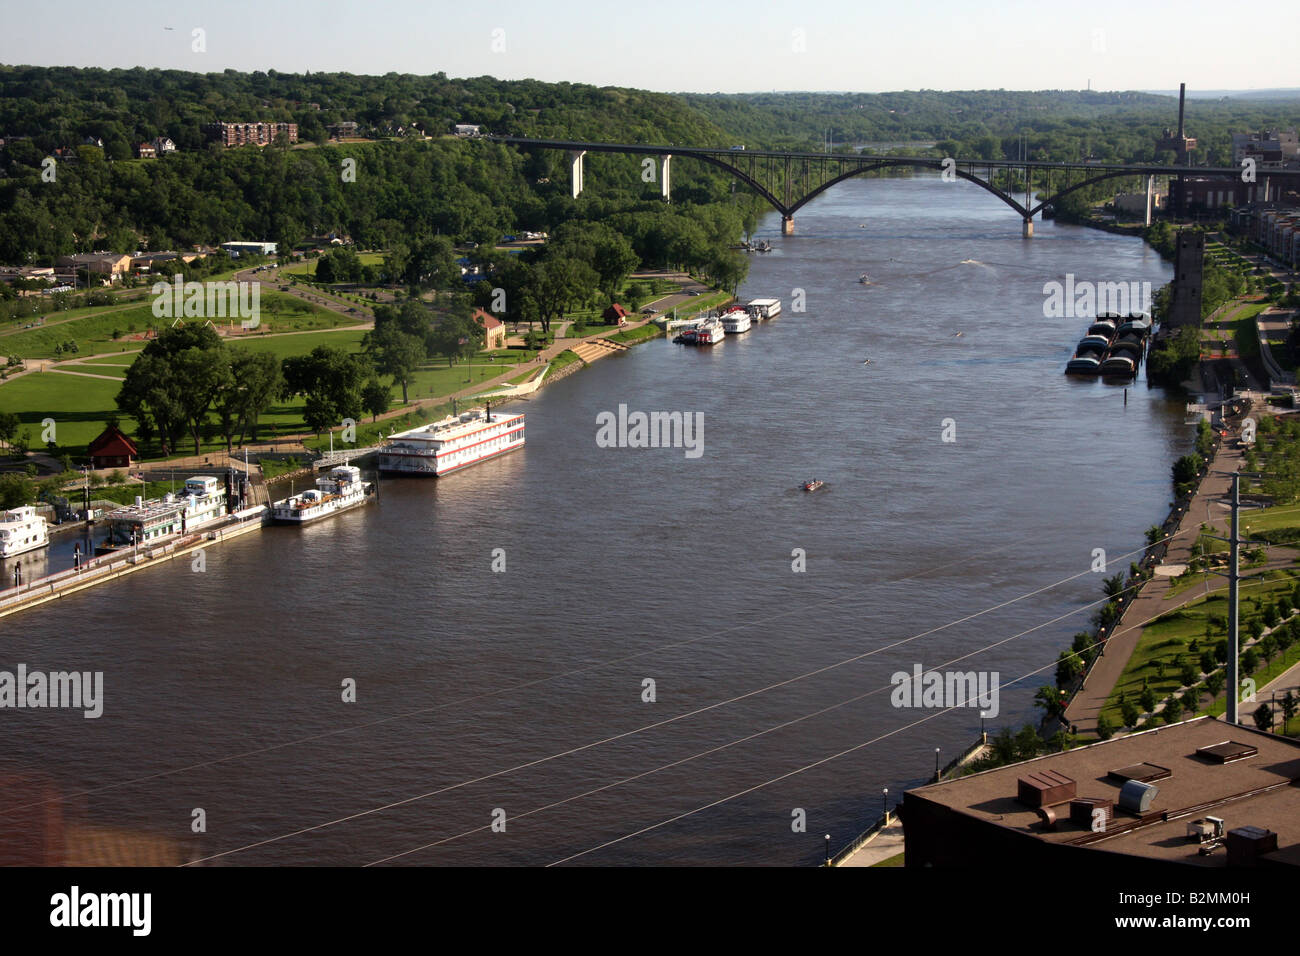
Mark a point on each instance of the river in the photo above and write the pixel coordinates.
(223, 689)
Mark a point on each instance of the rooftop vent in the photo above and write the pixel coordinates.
(1247, 844)
(1083, 811)
(1136, 796)
(1145, 772)
(1227, 752)
(1044, 788)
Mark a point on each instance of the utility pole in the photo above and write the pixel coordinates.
(1234, 577)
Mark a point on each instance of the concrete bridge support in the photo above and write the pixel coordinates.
(1151, 192)
(575, 163)
(787, 225)
(1028, 230)
(663, 178)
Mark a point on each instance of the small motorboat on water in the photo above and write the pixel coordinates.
(864, 279)
(813, 485)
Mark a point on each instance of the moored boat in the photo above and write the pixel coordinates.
(453, 443)
(735, 320)
(338, 491)
(22, 530)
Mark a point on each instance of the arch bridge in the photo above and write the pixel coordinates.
(787, 181)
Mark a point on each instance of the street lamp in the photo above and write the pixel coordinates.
(984, 737)
(884, 803)
(828, 849)
(936, 763)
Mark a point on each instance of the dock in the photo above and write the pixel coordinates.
(111, 567)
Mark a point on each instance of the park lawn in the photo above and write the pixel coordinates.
(1170, 634)
(639, 334)
(78, 405)
(348, 339)
(437, 379)
(1271, 519)
(114, 371)
(308, 266)
(108, 328)
(1261, 676)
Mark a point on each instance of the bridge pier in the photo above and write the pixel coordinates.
(575, 165)
(1028, 231)
(663, 177)
(787, 225)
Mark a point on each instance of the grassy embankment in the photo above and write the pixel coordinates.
(1179, 638)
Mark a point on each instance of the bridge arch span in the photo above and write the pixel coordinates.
(916, 164)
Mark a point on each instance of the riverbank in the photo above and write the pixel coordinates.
(110, 568)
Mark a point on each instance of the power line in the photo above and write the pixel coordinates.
(523, 685)
(669, 720)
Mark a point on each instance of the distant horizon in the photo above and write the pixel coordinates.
(678, 45)
(1191, 92)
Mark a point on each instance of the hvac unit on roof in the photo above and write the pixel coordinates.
(1136, 796)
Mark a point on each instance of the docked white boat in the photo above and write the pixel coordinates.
(764, 308)
(201, 503)
(451, 444)
(735, 321)
(22, 530)
(338, 491)
(710, 332)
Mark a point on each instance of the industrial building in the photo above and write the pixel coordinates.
(1202, 793)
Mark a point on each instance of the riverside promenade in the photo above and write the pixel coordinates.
(1208, 506)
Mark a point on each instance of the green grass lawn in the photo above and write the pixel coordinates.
(94, 332)
(639, 334)
(285, 345)
(77, 404)
(1170, 635)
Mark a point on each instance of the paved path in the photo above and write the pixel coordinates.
(1151, 600)
(888, 842)
(68, 371)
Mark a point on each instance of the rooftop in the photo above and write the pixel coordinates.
(1253, 781)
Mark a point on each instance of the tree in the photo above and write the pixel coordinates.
(1214, 683)
(16, 490)
(1051, 700)
(1249, 661)
(1129, 714)
(1068, 666)
(394, 352)
(1105, 730)
(256, 382)
(1289, 706)
(1148, 699)
(375, 398)
(157, 388)
(9, 424)
(205, 374)
(560, 285)
(1264, 717)
(331, 381)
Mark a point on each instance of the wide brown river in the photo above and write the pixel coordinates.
(525, 691)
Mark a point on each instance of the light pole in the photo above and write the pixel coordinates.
(884, 803)
(828, 849)
(984, 737)
(936, 763)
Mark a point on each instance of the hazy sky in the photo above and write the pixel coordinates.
(697, 45)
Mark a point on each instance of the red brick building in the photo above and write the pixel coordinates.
(256, 134)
